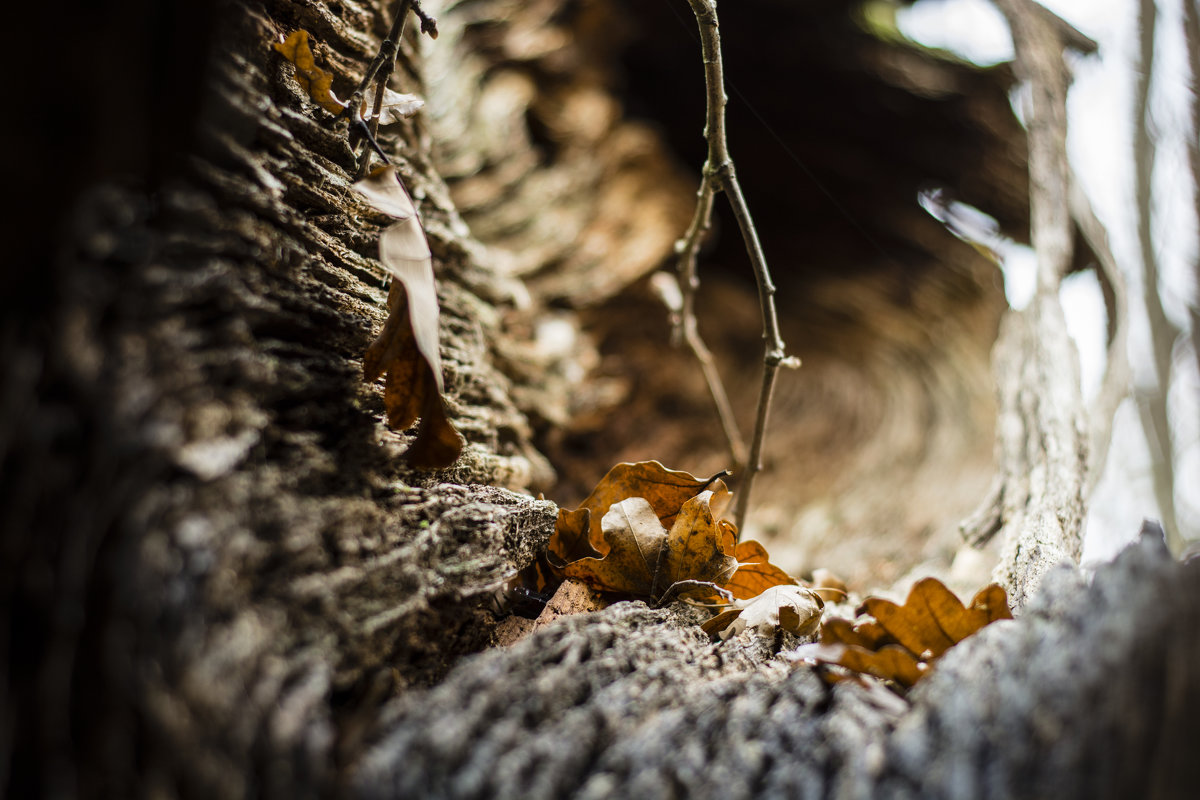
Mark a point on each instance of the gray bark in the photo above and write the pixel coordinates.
(1066, 701)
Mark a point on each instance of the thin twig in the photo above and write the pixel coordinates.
(1191, 42)
(1152, 401)
(719, 174)
(685, 318)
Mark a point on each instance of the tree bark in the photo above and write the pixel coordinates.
(221, 580)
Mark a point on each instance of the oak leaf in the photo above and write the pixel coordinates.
(639, 556)
(900, 642)
(316, 82)
(755, 573)
(653, 532)
(408, 347)
(790, 608)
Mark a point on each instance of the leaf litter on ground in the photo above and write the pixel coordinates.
(899, 643)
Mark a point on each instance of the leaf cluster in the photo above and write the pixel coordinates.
(899, 643)
(657, 534)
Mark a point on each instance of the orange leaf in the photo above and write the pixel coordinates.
(890, 662)
(637, 554)
(931, 621)
(312, 79)
(755, 573)
(665, 489)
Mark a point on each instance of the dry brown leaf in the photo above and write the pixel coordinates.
(408, 347)
(931, 621)
(755, 573)
(830, 587)
(637, 554)
(794, 609)
(316, 82)
(665, 489)
(891, 662)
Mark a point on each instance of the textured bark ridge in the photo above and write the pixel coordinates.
(1090, 693)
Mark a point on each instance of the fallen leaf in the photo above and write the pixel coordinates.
(890, 662)
(408, 347)
(830, 587)
(641, 557)
(665, 489)
(794, 609)
(316, 82)
(755, 573)
(931, 620)
(900, 642)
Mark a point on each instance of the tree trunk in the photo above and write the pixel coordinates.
(220, 578)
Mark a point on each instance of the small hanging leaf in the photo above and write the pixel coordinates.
(396, 106)
(408, 347)
(794, 609)
(316, 82)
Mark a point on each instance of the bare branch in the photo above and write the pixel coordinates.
(719, 174)
(1041, 447)
(1115, 386)
(685, 317)
(1152, 402)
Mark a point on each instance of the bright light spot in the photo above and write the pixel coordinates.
(971, 29)
(1020, 274)
(1087, 322)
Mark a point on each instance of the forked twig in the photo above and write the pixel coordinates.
(684, 318)
(381, 68)
(718, 176)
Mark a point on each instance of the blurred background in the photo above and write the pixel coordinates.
(880, 147)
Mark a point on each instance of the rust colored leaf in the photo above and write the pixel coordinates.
(665, 489)
(891, 662)
(993, 602)
(790, 608)
(316, 82)
(931, 621)
(408, 347)
(869, 634)
(755, 573)
(637, 554)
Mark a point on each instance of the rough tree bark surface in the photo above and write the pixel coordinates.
(219, 580)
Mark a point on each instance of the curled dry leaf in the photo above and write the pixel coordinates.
(794, 609)
(755, 573)
(408, 347)
(931, 621)
(641, 557)
(396, 106)
(318, 84)
(652, 532)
